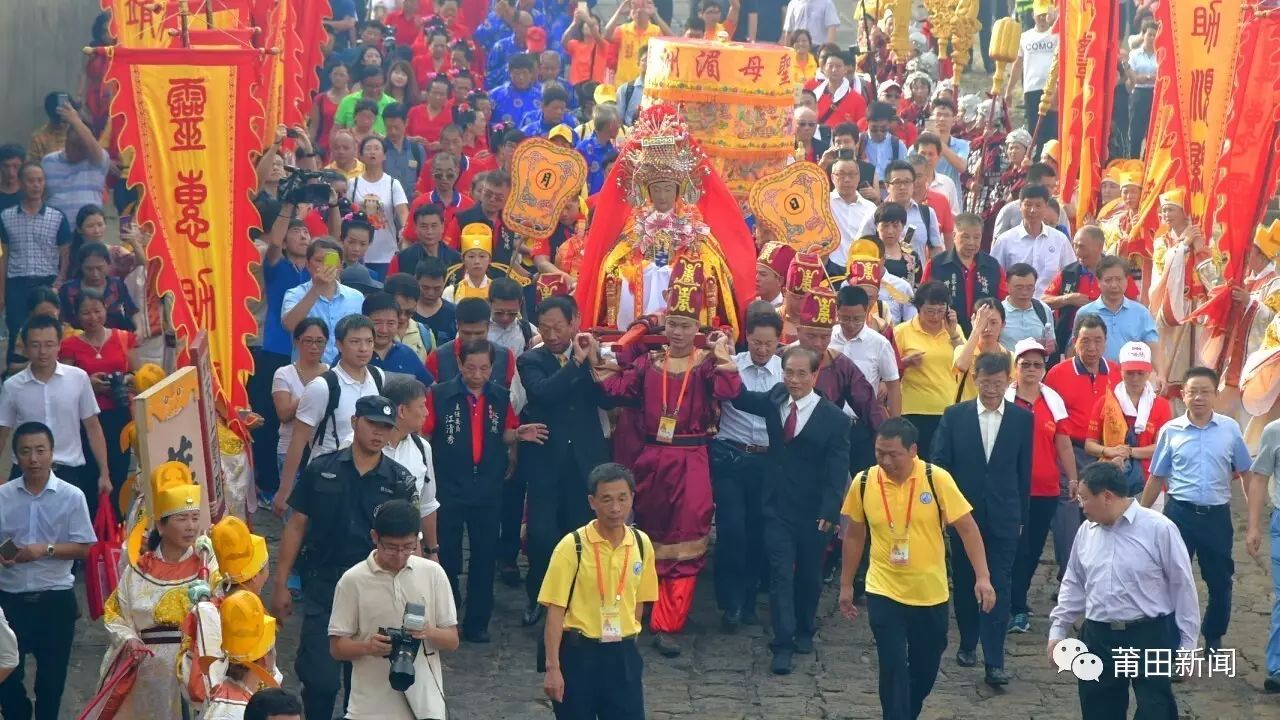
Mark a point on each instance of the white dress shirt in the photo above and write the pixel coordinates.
(315, 399)
(989, 425)
(62, 403)
(1048, 252)
(851, 217)
(1135, 568)
(743, 427)
(804, 408)
(946, 187)
(59, 514)
(418, 463)
(870, 351)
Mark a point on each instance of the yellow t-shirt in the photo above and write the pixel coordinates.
(970, 390)
(930, 387)
(583, 610)
(629, 39)
(922, 581)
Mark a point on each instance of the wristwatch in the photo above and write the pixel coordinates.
(433, 550)
(48, 550)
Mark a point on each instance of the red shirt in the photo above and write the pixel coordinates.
(852, 108)
(479, 408)
(419, 123)
(1161, 413)
(112, 358)
(462, 202)
(317, 223)
(1080, 391)
(408, 29)
(425, 67)
(1089, 287)
(1044, 451)
(942, 207)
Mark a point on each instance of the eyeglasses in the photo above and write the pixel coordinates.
(407, 549)
(444, 175)
(314, 342)
(506, 313)
(900, 182)
(807, 124)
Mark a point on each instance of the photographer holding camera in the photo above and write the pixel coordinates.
(393, 613)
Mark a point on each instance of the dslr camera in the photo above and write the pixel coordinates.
(307, 186)
(404, 647)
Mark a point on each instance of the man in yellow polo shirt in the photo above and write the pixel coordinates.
(593, 617)
(905, 503)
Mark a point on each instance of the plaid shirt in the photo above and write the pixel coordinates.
(31, 240)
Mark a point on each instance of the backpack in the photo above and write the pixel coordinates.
(335, 394)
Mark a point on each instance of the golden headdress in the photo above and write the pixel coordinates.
(1267, 238)
(659, 148)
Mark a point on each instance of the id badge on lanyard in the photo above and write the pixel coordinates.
(667, 423)
(899, 545)
(611, 606)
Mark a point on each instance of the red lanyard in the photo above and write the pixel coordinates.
(885, 499)
(601, 571)
(684, 385)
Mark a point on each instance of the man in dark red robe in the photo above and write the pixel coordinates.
(677, 391)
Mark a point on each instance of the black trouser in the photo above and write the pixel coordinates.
(910, 641)
(513, 491)
(1030, 548)
(736, 478)
(1108, 697)
(557, 507)
(795, 549)
(987, 15)
(481, 525)
(267, 437)
(601, 680)
(1048, 125)
(1140, 99)
(1207, 532)
(318, 672)
(973, 624)
(17, 306)
(926, 426)
(113, 422)
(45, 624)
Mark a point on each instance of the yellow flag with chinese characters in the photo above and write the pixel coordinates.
(187, 117)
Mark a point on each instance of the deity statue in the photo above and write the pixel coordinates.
(661, 175)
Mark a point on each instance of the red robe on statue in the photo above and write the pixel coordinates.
(673, 480)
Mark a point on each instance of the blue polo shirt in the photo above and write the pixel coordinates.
(347, 301)
(596, 154)
(401, 359)
(280, 278)
(1199, 462)
(1131, 323)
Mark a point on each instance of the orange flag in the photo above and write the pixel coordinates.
(185, 114)
(303, 56)
(1248, 166)
(1087, 61)
(146, 23)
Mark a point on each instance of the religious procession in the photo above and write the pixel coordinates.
(435, 359)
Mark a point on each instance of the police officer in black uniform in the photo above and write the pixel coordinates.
(333, 506)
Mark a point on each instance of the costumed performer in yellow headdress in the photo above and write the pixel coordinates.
(1253, 344)
(247, 653)
(476, 244)
(155, 594)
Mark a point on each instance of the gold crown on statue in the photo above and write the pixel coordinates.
(658, 148)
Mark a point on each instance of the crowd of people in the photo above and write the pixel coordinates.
(910, 417)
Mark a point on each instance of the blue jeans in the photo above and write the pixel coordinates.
(1273, 643)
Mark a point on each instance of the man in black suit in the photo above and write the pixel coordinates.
(801, 505)
(986, 446)
(562, 395)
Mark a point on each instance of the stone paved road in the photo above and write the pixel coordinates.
(727, 677)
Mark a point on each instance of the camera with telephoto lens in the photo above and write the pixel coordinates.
(119, 389)
(404, 647)
(307, 186)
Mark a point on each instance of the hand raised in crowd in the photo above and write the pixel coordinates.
(721, 347)
(532, 432)
(69, 115)
(952, 320)
(301, 137)
(326, 276)
(282, 131)
(582, 347)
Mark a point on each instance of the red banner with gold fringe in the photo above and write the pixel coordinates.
(1248, 168)
(1088, 55)
(303, 57)
(186, 114)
